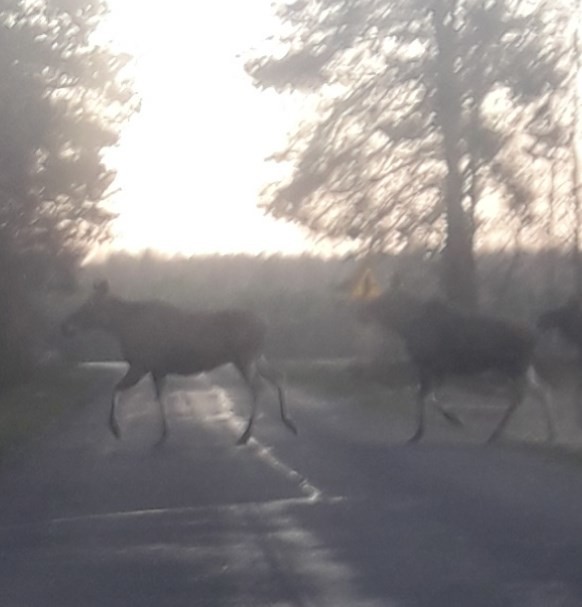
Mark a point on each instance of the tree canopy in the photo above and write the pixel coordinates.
(424, 111)
(63, 99)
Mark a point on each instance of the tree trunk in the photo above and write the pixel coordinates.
(458, 262)
(576, 193)
(458, 269)
(551, 267)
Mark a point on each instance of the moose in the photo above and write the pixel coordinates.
(159, 339)
(442, 341)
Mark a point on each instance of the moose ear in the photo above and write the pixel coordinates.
(101, 287)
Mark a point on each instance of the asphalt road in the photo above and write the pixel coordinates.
(345, 514)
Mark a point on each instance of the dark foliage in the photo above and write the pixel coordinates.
(62, 100)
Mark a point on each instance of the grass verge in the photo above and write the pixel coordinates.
(348, 382)
(390, 394)
(334, 380)
(29, 409)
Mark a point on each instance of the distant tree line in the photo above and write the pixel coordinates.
(305, 300)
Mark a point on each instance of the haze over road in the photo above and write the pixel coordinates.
(343, 515)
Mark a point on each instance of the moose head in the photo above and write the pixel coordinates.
(93, 314)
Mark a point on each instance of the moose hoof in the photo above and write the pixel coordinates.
(244, 439)
(291, 426)
(453, 419)
(493, 438)
(415, 437)
(160, 441)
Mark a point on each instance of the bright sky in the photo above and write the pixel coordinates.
(191, 164)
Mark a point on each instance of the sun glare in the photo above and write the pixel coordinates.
(191, 163)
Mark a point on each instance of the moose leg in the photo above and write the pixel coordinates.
(448, 415)
(517, 394)
(537, 387)
(131, 378)
(424, 389)
(250, 374)
(451, 417)
(159, 383)
(269, 374)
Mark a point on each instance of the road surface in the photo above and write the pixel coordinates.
(345, 514)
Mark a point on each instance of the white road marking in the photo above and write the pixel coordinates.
(235, 421)
(269, 506)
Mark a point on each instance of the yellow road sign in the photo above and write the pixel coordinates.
(366, 286)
